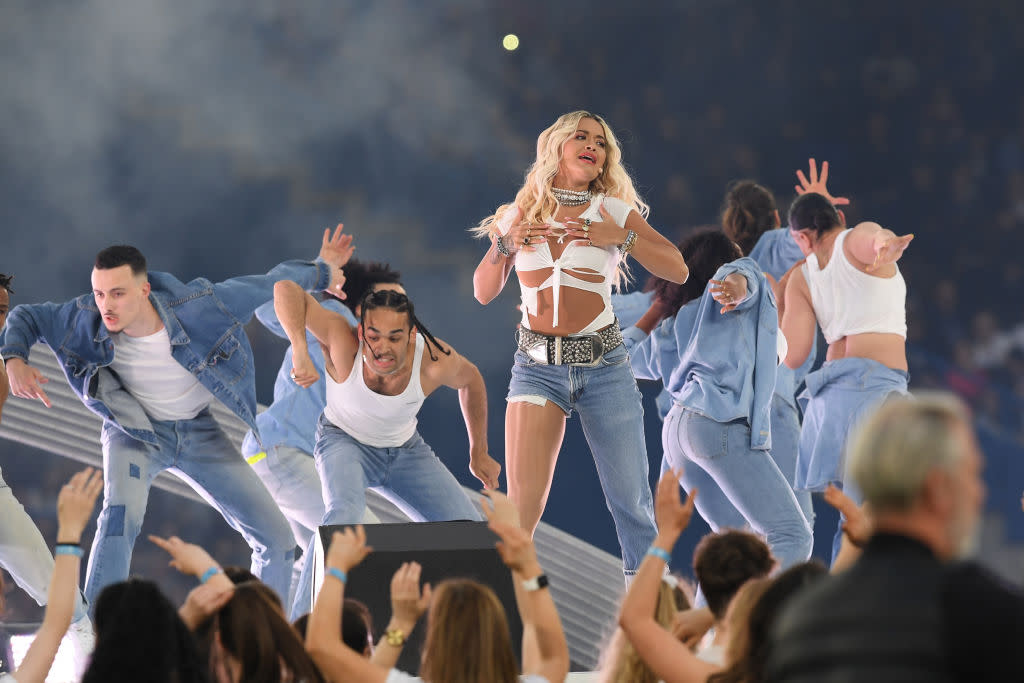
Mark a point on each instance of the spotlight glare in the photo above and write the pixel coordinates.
(510, 42)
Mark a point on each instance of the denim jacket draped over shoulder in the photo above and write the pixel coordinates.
(721, 366)
(204, 321)
(776, 252)
(291, 418)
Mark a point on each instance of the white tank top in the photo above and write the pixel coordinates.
(848, 301)
(576, 255)
(164, 388)
(371, 418)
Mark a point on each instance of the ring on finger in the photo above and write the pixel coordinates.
(526, 240)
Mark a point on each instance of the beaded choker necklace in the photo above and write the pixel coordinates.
(571, 197)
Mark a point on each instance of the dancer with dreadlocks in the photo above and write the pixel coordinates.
(378, 375)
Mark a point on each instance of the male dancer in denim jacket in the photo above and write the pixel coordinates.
(148, 353)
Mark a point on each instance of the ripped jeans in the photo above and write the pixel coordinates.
(199, 452)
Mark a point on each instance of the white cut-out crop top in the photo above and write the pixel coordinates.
(577, 256)
(849, 301)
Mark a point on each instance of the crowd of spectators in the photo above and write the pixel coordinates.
(930, 615)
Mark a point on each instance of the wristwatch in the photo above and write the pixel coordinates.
(395, 636)
(536, 583)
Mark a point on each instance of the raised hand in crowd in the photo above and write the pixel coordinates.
(545, 651)
(857, 527)
(75, 504)
(409, 602)
(191, 559)
(669, 658)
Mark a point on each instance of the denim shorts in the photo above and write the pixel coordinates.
(561, 384)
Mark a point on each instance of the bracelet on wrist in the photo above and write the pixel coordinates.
(210, 573)
(68, 549)
(338, 574)
(502, 248)
(628, 244)
(660, 553)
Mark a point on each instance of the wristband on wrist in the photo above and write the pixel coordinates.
(68, 549)
(338, 574)
(661, 554)
(210, 573)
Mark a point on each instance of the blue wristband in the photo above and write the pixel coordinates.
(67, 549)
(659, 553)
(209, 574)
(338, 574)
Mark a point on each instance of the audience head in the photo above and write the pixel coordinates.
(811, 216)
(467, 635)
(724, 562)
(748, 659)
(748, 213)
(918, 465)
(356, 626)
(620, 662)
(737, 618)
(705, 251)
(252, 641)
(139, 637)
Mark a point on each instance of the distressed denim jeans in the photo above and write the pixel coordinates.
(612, 417)
(201, 454)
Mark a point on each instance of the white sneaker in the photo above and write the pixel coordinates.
(83, 642)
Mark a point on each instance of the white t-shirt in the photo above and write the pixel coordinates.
(166, 390)
(396, 676)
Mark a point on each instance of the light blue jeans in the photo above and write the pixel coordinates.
(290, 476)
(200, 453)
(785, 446)
(612, 416)
(411, 476)
(24, 553)
(737, 486)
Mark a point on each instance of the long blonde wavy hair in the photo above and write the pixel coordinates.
(535, 197)
(620, 662)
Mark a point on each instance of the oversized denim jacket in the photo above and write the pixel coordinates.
(721, 366)
(204, 321)
(291, 418)
(776, 252)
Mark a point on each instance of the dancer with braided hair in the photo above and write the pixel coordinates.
(378, 375)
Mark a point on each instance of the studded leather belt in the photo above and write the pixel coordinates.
(575, 349)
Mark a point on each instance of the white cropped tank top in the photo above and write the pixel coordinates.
(848, 301)
(576, 256)
(371, 418)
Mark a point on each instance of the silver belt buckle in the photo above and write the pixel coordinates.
(596, 349)
(539, 351)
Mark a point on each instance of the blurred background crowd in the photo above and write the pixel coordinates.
(222, 138)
